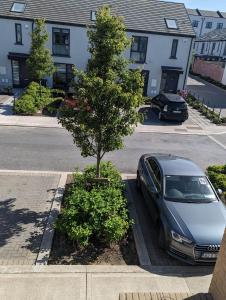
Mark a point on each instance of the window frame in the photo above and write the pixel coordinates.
(221, 25)
(69, 42)
(157, 181)
(18, 42)
(171, 27)
(16, 11)
(203, 48)
(138, 51)
(209, 25)
(174, 48)
(195, 23)
(68, 72)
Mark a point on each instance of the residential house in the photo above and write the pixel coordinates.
(210, 57)
(205, 21)
(162, 39)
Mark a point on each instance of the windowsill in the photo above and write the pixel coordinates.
(61, 55)
(20, 44)
(171, 57)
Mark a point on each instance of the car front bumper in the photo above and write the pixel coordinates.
(188, 253)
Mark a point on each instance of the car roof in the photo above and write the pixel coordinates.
(176, 165)
(173, 97)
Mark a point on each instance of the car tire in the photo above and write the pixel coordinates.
(138, 182)
(162, 238)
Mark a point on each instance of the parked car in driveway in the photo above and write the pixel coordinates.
(170, 107)
(183, 204)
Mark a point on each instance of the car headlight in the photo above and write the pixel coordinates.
(165, 108)
(179, 238)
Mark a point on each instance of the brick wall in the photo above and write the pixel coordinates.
(218, 284)
(212, 69)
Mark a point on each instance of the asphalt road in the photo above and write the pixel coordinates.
(53, 149)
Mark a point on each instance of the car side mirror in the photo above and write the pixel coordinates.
(219, 192)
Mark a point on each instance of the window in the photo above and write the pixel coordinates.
(195, 23)
(219, 25)
(139, 49)
(224, 50)
(93, 15)
(156, 174)
(213, 47)
(203, 47)
(18, 7)
(209, 25)
(174, 49)
(63, 75)
(18, 31)
(171, 23)
(61, 41)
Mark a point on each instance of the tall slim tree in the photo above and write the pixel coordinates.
(40, 63)
(108, 94)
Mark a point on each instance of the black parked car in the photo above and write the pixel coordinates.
(170, 107)
(184, 206)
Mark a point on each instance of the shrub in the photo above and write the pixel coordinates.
(36, 98)
(217, 175)
(97, 211)
(25, 105)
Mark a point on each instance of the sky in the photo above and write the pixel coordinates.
(204, 4)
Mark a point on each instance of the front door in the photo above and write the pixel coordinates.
(20, 73)
(169, 83)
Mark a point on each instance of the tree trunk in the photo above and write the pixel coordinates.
(98, 165)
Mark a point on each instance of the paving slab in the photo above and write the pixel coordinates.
(25, 202)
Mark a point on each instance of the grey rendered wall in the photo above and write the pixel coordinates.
(158, 54)
(158, 51)
(204, 20)
(7, 44)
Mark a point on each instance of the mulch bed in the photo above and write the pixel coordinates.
(65, 252)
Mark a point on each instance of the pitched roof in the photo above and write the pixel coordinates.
(192, 12)
(143, 15)
(215, 35)
(209, 13)
(206, 13)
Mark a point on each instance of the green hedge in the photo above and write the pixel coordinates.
(95, 208)
(204, 110)
(36, 97)
(217, 175)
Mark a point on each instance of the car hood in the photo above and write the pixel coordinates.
(203, 222)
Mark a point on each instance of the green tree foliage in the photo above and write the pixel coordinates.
(40, 62)
(108, 94)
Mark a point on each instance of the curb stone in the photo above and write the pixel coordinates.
(47, 239)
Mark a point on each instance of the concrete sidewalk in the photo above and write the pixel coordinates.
(96, 282)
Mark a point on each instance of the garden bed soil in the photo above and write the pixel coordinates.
(65, 252)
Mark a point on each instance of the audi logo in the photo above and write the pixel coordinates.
(213, 248)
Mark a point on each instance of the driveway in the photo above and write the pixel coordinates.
(212, 96)
(25, 202)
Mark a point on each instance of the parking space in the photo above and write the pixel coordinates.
(25, 202)
(158, 257)
(195, 120)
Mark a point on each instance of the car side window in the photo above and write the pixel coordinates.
(157, 178)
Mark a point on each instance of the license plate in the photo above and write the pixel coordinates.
(177, 111)
(209, 255)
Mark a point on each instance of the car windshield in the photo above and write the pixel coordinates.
(195, 189)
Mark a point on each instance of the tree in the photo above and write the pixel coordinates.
(40, 62)
(107, 94)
